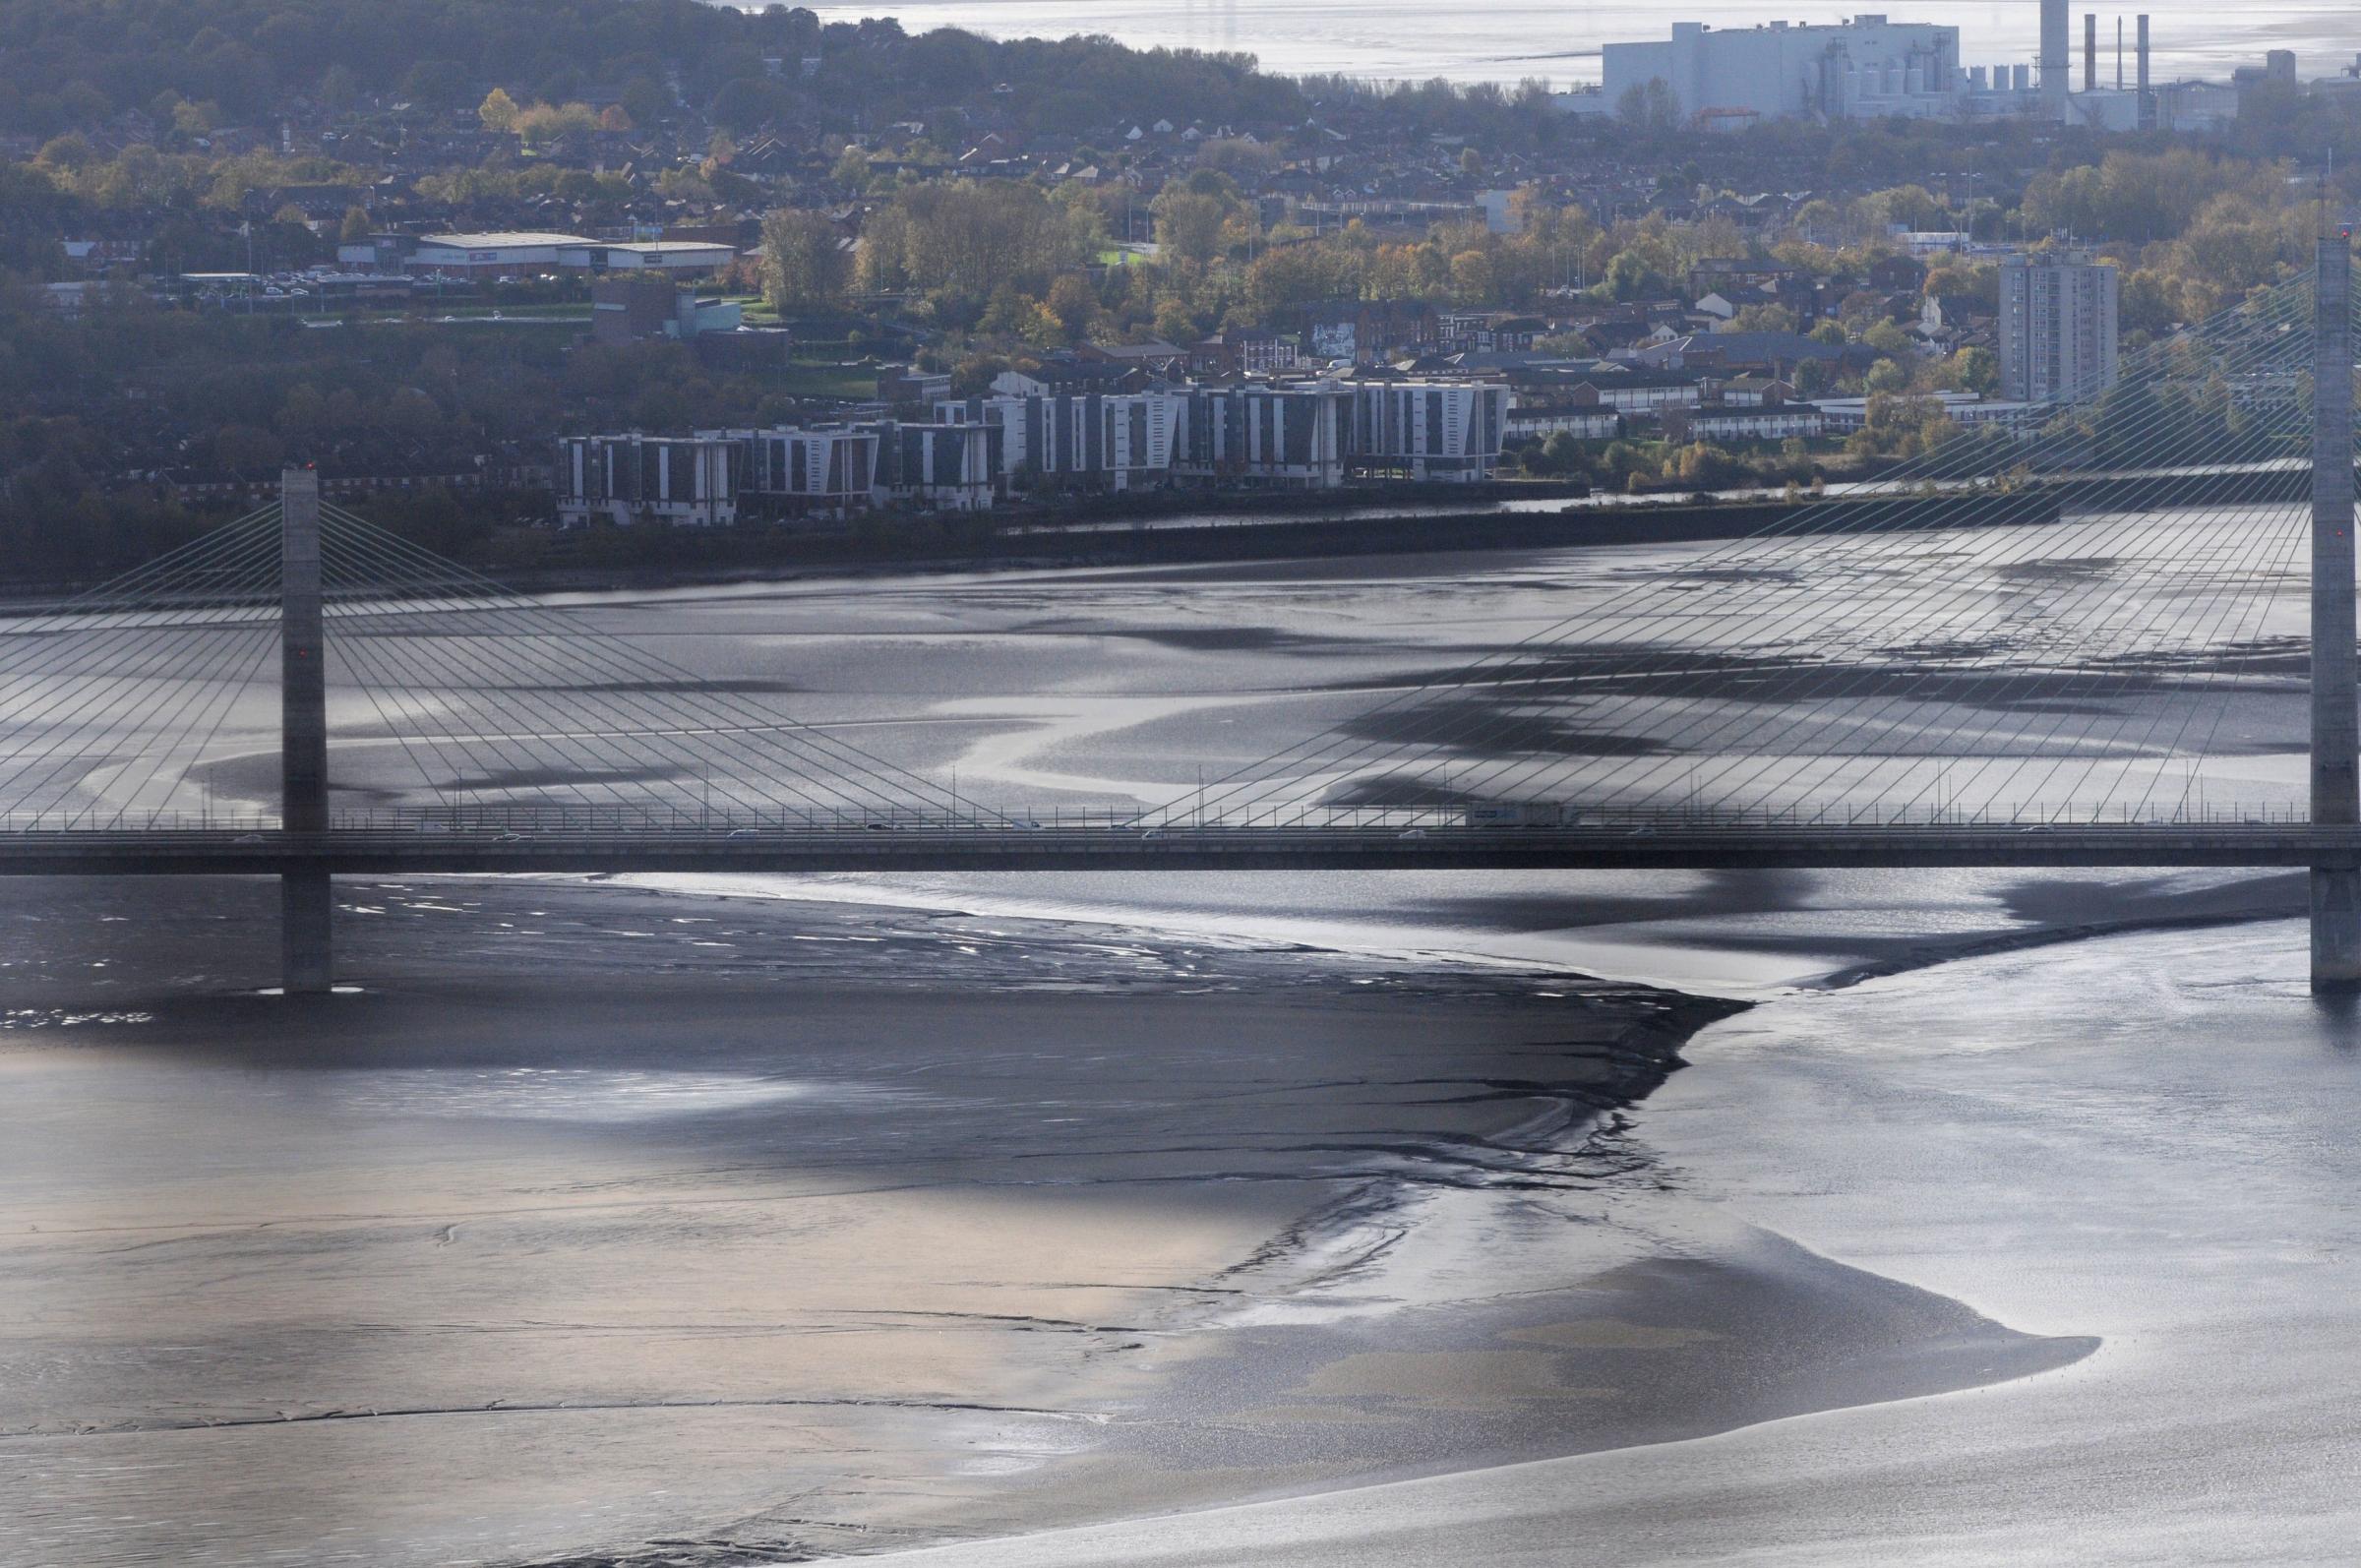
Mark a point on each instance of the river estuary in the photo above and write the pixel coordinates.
(1372, 1219)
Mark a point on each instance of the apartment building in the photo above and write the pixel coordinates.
(940, 466)
(627, 479)
(2058, 331)
(1745, 423)
(1289, 437)
(1446, 432)
(825, 473)
(1094, 442)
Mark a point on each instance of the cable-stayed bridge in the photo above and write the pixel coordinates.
(2014, 651)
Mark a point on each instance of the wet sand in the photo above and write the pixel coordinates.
(603, 1225)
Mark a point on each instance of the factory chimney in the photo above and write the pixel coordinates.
(2090, 51)
(2054, 45)
(2147, 99)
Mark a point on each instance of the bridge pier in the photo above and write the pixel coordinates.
(2335, 703)
(306, 897)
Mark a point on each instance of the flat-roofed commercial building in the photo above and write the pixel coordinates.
(516, 253)
(1868, 67)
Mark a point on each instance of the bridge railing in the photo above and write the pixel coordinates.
(689, 822)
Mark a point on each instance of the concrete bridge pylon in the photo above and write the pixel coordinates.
(306, 895)
(2336, 702)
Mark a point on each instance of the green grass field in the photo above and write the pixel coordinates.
(804, 379)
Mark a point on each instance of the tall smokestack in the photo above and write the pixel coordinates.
(2054, 45)
(2090, 51)
(2119, 54)
(2148, 103)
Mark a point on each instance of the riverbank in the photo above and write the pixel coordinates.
(1223, 1219)
(2040, 1135)
(649, 1190)
(606, 1217)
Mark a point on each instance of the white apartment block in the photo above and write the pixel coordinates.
(2058, 333)
(627, 479)
(1771, 422)
(1095, 442)
(1440, 431)
(1289, 437)
(829, 472)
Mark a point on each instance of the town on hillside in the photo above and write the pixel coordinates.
(506, 264)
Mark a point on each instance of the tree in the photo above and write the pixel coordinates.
(1188, 225)
(1886, 339)
(498, 111)
(356, 228)
(1978, 370)
(803, 263)
(1073, 303)
(1472, 277)
(1650, 106)
(1629, 276)
(1175, 322)
(435, 82)
(338, 89)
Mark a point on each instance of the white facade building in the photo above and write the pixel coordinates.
(1438, 431)
(1865, 68)
(1116, 441)
(1761, 422)
(2058, 333)
(508, 254)
(627, 479)
(826, 472)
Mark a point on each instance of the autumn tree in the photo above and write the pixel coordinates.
(803, 263)
(498, 111)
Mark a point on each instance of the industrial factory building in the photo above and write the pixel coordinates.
(1873, 67)
(1863, 67)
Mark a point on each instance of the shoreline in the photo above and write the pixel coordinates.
(1448, 1304)
(1050, 1265)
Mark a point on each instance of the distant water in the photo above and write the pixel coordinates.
(1507, 40)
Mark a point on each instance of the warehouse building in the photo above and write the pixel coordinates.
(519, 254)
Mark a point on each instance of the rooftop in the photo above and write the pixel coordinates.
(504, 239)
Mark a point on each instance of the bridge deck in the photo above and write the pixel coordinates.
(1102, 849)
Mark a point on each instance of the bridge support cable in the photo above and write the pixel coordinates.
(649, 738)
(1472, 737)
(100, 695)
(752, 745)
(408, 663)
(2124, 621)
(560, 737)
(1857, 664)
(1659, 612)
(2336, 690)
(1887, 677)
(526, 639)
(749, 748)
